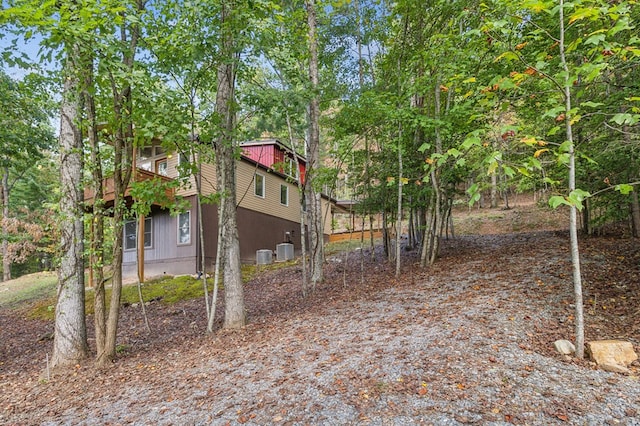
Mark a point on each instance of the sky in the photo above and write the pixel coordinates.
(30, 50)
(23, 48)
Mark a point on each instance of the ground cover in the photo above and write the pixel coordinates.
(468, 340)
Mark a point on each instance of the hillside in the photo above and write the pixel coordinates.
(468, 340)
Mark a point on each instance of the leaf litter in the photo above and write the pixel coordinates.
(467, 340)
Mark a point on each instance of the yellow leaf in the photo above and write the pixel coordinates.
(539, 152)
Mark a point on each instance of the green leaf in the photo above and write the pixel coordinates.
(625, 118)
(565, 146)
(595, 39)
(509, 56)
(471, 141)
(556, 201)
(454, 152)
(508, 171)
(554, 130)
(474, 194)
(523, 171)
(577, 196)
(591, 104)
(624, 188)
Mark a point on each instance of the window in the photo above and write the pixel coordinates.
(284, 195)
(131, 234)
(184, 228)
(161, 167)
(259, 185)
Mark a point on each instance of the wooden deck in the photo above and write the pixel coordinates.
(109, 192)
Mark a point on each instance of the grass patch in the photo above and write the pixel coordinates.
(28, 288)
(168, 290)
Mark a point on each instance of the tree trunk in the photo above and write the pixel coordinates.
(123, 162)
(70, 335)
(301, 191)
(314, 205)
(4, 200)
(494, 190)
(226, 167)
(573, 221)
(96, 262)
(399, 207)
(635, 213)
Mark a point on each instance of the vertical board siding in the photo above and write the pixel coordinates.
(164, 237)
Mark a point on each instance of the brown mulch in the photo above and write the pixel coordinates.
(467, 340)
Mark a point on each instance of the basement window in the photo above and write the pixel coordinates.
(131, 234)
(184, 228)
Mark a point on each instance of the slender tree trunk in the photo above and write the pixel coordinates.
(301, 192)
(494, 190)
(399, 207)
(435, 183)
(216, 275)
(573, 221)
(98, 214)
(70, 336)
(6, 261)
(314, 205)
(123, 162)
(122, 174)
(226, 168)
(635, 213)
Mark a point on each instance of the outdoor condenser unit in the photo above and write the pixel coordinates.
(284, 252)
(264, 257)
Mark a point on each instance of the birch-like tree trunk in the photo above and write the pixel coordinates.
(70, 335)
(573, 214)
(4, 200)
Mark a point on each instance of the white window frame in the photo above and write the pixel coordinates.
(184, 243)
(256, 185)
(285, 187)
(148, 229)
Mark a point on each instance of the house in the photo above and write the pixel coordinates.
(268, 209)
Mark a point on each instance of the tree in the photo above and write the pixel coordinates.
(312, 193)
(70, 337)
(24, 133)
(565, 50)
(119, 64)
(225, 167)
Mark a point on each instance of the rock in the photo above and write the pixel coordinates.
(612, 355)
(565, 347)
